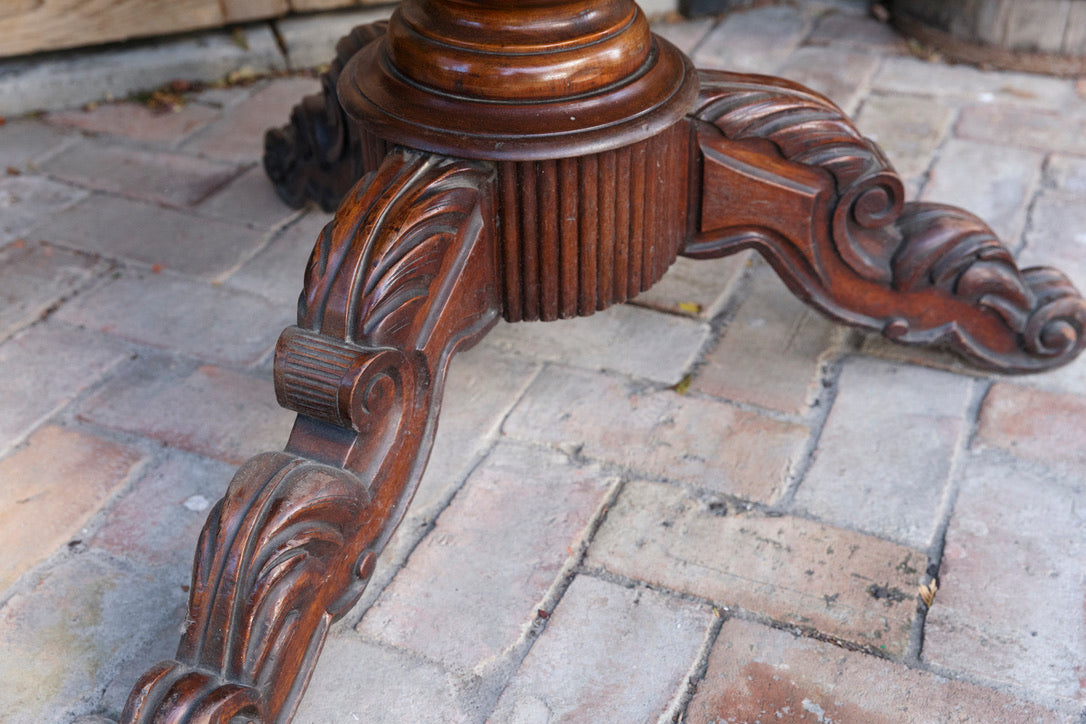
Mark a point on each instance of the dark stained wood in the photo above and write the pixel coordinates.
(566, 207)
(402, 278)
(784, 171)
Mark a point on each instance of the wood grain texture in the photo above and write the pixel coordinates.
(31, 26)
(785, 172)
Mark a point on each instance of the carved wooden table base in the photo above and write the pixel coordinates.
(534, 160)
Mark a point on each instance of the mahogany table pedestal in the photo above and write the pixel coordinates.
(534, 159)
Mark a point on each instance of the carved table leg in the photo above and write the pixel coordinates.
(784, 171)
(400, 279)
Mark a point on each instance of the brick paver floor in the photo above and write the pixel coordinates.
(592, 542)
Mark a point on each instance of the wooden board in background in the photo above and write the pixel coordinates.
(31, 26)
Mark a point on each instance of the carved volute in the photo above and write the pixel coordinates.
(518, 80)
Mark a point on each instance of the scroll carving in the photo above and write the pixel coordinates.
(786, 172)
(321, 153)
(403, 276)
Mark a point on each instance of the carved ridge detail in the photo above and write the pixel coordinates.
(845, 240)
(322, 153)
(401, 277)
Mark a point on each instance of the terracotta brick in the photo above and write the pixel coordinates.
(1054, 237)
(843, 29)
(158, 521)
(795, 571)
(239, 134)
(51, 487)
(481, 388)
(906, 74)
(1034, 424)
(34, 277)
(609, 653)
(908, 128)
(25, 200)
(123, 229)
(202, 320)
(1010, 604)
(771, 352)
(84, 626)
(884, 457)
(357, 681)
(44, 368)
(137, 121)
(476, 581)
(711, 445)
(1042, 129)
(210, 411)
(157, 176)
(24, 141)
(840, 74)
(761, 674)
(696, 287)
(993, 181)
(626, 339)
(278, 270)
(754, 40)
(249, 199)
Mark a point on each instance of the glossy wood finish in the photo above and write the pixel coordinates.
(563, 208)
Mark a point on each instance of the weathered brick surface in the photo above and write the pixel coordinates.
(908, 128)
(884, 457)
(840, 74)
(1035, 424)
(993, 181)
(757, 40)
(482, 387)
(278, 270)
(695, 287)
(149, 234)
(157, 522)
(43, 369)
(771, 351)
(202, 320)
(761, 674)
(358, 681)
(844, 584)
(708, 444)
(25, 200)
(913, 76)
(239, 134)
(1054, 237)
(137, 121)
(157, 176)
(1045, 130)
(210, 411)
(51, 487)
(25, 141)
(477, 580)
(844, 29)
(625, 339)
(1009, 607)
(34, 277)
(609, 653)
(248, 199)
(83, 626)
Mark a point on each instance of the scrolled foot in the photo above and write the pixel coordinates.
(783, 170)
(402, 277)
(321, 153)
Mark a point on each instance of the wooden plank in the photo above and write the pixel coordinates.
(28, 26)
(1037, 25)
